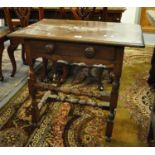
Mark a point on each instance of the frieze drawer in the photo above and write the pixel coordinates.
(88, 53)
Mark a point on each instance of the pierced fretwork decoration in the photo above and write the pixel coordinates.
(82, 13)
(86, 13)
(23, 14)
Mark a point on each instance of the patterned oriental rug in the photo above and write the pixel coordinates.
(64, 124)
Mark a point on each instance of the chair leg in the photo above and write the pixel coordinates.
(1, 53)
(24, 55)
(12, 47)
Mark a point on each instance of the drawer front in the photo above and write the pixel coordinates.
(87, 53)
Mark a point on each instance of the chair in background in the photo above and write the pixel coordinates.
(84, 13)
(3, 37)
(23, 14)
(88, 13)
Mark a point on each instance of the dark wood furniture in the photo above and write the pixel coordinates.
(27, 16)
(3, 37)
(114, 14)
(23, 15)
(151, 133)
(151, 81)
(85, 13)
(78, 13)
(90, 42)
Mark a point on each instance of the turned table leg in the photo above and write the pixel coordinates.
(113, 105)
(12, 47)
(34, 106)
(32, 92)
(115, 92)
(31, 86)
(1, 53)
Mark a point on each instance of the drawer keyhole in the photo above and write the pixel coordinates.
(89, 52)
(49, 48)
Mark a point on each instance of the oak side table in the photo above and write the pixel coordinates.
(90, 42)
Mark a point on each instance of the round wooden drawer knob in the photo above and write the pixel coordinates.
(89, 52)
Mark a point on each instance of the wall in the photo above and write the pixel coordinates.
(131, 15)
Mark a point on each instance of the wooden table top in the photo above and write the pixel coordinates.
(151, 16)
(84, 31)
